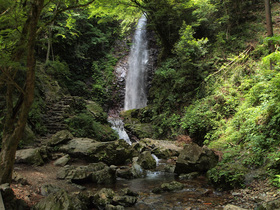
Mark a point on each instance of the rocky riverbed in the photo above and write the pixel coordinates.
(81, 173)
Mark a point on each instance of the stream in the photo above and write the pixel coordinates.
(197, 194)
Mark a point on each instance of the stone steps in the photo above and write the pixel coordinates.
(56, 114)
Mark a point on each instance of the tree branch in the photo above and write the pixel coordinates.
(64, 10)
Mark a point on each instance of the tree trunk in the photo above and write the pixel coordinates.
(269, 26)
(16, 117)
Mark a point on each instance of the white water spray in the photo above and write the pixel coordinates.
(117, 125)
(136, 81)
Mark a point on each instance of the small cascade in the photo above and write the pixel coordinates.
(136, 80)
(156, 159)
(118, 125)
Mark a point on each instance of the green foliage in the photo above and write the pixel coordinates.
(84, 125)
(35, 117)
(226, 177)
(84, 44)
(103, 78)
(59, 71)
(176, 80)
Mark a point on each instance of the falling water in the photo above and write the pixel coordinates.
(117, 125)
(135, 95)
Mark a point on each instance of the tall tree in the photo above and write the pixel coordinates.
(19, 21)
(269, 25)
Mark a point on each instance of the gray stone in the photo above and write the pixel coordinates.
(61, 200)
(103, 197)
(194, 158)
(168, 187)
(112, 207)
(192, 175)
(111, 200)
(62, 161)
(112, 153)
(94, 172)
(48, 189)
(60, 137)
(124, 200)
(232, 207)
(29, 156)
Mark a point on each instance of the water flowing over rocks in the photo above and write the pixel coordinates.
(194, 158)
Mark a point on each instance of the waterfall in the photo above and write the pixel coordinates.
(117, 125)
(136, 81)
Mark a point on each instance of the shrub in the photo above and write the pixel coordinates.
(84, 125)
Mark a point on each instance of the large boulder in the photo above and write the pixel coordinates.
(60, 137)
(194, 158)
(136, 125)
(163, 149)
(94, 172)
(62, 200)
(146, 160)
(112, 153)
(29, 156)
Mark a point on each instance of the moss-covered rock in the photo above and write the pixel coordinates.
(97, 111)
(146, 160)
(84, 125)
(194, 158)
(103, 197)
(111, 200)
(95, 172)
(60, 137)
(28, 136)
(168, 187)
(113, 153)
(135, 124)
(29, 156)
(141, 130)
(62, 200)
